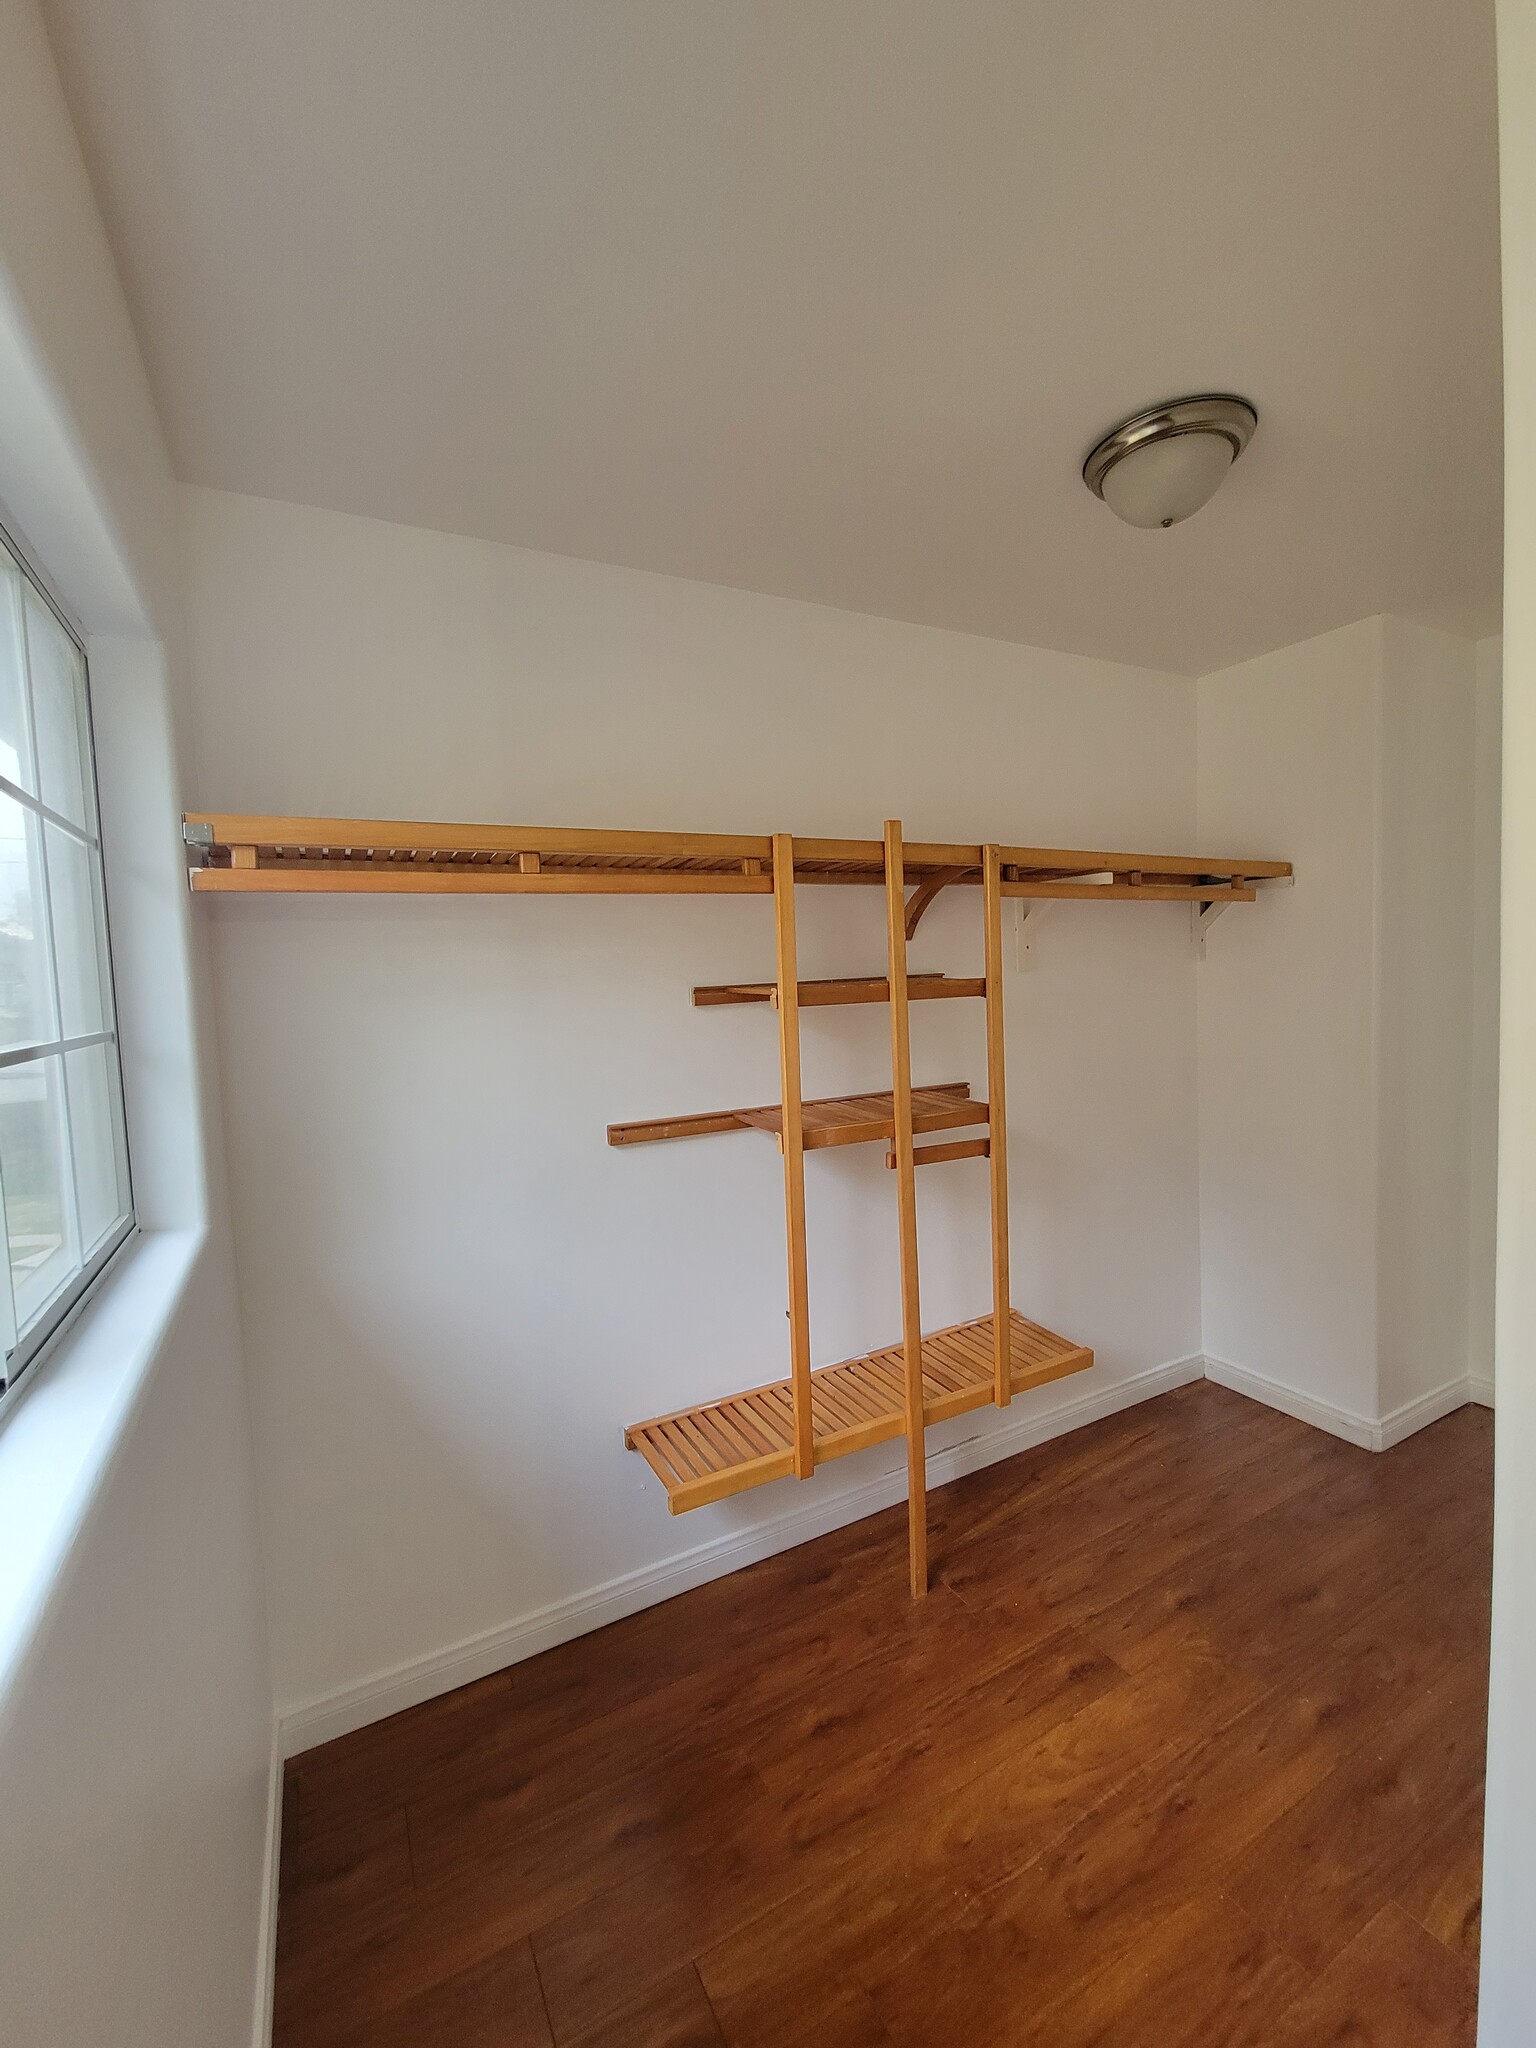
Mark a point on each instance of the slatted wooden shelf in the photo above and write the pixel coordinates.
(708, 1453)
(832, 1120)
(857, 988)
(259, 854)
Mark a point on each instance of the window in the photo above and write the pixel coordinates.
(64, 1184)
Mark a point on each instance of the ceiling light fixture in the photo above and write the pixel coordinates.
(1161, 465)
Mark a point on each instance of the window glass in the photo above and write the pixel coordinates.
(26, 1011)
(36, 1183)
(57, 674)
(96, 1138)
(15, 750)
(78, 930)
(64, 1180)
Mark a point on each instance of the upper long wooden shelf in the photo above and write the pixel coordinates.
(324, 855)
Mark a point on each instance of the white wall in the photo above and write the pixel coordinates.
(1426, 911)
(1483, 1100)
(455, 1295)
(1346, 1181)
(1287, 767)
(135, 1706)
(1507, 2013)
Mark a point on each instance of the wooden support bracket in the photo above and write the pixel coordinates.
(926, 891)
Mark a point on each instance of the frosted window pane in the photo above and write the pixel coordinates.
(77, 934)
(58, 714)
(33, 1166)
(15, 753)
(26, 1013)
(101, 1179)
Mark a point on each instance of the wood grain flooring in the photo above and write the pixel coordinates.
(1184, 1750)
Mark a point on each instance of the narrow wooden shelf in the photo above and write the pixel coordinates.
(706, 1454)
(261, 854)
(852, 988)
(833, 1120)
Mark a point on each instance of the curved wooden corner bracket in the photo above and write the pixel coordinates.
(927, 889)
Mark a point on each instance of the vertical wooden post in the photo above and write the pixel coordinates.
(906, 1210)
(792, 1140)
(997, 1118)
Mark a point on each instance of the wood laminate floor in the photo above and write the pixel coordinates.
(1184, 1750)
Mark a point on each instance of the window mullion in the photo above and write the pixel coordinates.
(35, 803)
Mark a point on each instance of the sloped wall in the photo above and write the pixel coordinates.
(135, 1701)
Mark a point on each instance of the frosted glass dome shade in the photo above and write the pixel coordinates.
(1159, 466)
(1162, 482)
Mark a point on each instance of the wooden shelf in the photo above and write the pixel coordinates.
(258, 854)
(848, 988)
(706, 1454)
(833, 1120)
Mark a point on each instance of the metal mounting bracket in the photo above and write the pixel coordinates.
(1201, 917)
(1023, 910)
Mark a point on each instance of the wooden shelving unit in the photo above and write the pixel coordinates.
(721, 1447)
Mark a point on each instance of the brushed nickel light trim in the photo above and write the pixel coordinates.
(1214, 412)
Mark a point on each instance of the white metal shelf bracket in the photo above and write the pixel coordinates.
(1203, 915)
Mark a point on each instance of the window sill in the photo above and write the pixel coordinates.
(58, 1442)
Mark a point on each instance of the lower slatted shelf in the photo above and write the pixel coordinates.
(708, 1453)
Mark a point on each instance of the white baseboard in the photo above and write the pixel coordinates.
(1354, 1429)
(407, 1685)
(1481, 1389)
(266, 1932)
(1369, 1432)
(1413, 1416)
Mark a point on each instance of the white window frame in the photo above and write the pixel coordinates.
(19, 1359)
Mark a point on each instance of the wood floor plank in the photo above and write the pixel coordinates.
(1273, 1590)
(1383, 1826)
(834, 2015)
(675, 2014)
(1395, 1986)
(1142, 1521)
(496, 2003)
(1204, 1976)
(1164, 1835)
(350, 1872)
(1187, 1735)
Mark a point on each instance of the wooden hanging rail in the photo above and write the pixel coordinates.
(244, 855)
(707, 1453)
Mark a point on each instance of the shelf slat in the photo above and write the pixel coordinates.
(725, 1447)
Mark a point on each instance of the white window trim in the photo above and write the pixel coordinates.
(32, 1353)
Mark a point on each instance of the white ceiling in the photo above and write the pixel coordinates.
(830, 297)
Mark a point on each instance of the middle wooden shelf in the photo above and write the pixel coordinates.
(831, 1120)
(840, 989)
